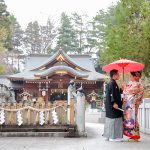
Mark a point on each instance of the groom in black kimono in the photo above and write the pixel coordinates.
(113, 130)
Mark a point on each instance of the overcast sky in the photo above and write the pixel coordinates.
(31, 10)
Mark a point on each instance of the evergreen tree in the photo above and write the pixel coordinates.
(32, 39)
(127, 32)
(5, 35)
(16, 33)
(17, 42)
(96, 32)
(67, 39)
(79, 23)
(5, 40)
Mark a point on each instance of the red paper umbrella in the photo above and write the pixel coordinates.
(123, 65)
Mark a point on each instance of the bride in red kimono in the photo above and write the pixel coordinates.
(133, 93)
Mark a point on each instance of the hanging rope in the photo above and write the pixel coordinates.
(32, 108)
(42, 114)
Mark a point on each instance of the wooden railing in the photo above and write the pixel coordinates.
(144, 116)
(30, 114)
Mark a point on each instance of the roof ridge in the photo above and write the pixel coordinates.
(53, 57)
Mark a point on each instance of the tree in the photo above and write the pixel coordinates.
(48, 34)
(126, 32)
(145, 46)
(17, 42)
(32, 39)
(5, 33)
(5, 42)
(79, 23)
(95, 32)
(3, 37)
(39, 38)
(67, 39)
(16, 33)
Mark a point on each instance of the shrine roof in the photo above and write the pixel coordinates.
(29, 75)
(35, 61)
(24, 75)
(81, 66)
(54, 69)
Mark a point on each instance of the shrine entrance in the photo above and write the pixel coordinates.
(58, 96)
(57, 90)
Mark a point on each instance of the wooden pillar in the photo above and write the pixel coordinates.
(46, 97)
(39, 90)
(39, 93)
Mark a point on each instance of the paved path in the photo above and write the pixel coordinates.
(94, 141)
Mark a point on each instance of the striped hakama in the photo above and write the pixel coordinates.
(113, 128)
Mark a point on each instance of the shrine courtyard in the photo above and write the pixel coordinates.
(93, 141)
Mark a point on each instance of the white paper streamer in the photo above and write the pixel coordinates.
(2, 117)
(19, 118)
(55, 117)
(42, 118)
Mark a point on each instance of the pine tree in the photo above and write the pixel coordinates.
(5, 35)
(5, 40)
(79, 23)
(32, 40)
(96, 33)
(67, 39)
(17, 42)
(127, 32)
(16, 33)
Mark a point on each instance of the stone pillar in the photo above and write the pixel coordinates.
(72, 115)
(71, 88)
(80, 112)
(68, 107)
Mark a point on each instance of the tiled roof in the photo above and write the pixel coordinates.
(36, 62)
(84, 61)
(52, 70)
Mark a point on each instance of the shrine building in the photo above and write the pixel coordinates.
(48, 76)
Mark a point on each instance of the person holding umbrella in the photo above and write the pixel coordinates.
(113, 130)
(133, 93)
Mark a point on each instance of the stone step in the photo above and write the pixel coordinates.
(34, 129)
(40, 131)
(34, 134)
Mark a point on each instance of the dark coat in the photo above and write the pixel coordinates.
(113, 95)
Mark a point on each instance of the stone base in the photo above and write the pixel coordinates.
(83, 134)
(95, 116)
(93, 110)
(101, 120)
(33, 134)
(36, 131)
(102, 117)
